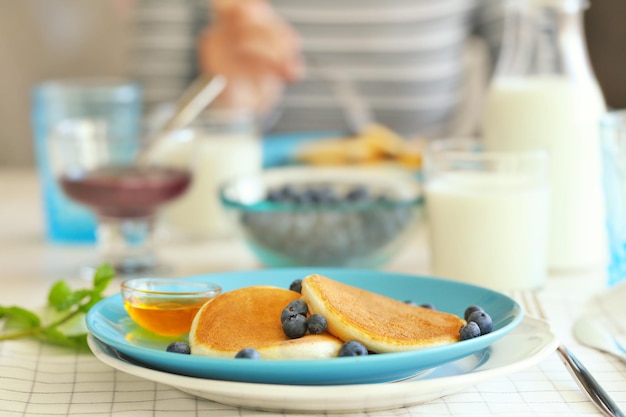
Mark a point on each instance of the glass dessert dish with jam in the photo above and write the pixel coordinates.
(101, 172)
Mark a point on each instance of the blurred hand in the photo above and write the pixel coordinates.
(256, 50)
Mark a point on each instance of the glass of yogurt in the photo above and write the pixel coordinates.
(488, 214)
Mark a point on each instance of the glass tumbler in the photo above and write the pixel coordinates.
(117, 103)
(488, 215)
(613, 144)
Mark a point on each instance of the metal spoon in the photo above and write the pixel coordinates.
(581, 374)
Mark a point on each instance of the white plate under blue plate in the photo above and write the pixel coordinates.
(525, 346)
(109, 322)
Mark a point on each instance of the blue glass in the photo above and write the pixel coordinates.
(613, 140)
(115, 102)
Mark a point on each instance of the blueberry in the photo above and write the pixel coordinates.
(295, 326)
(248, 353)
(178, 347)
(296, 307)
(322, 195)
(429, 306)
(469, 310)
(469, 331)
(410, 302)
(275, 195)
(303, 198)
(383, 198)
(283, 194)
(353, 348)
(296, 286)
(317, 324)
(358, 193)
(483, 320)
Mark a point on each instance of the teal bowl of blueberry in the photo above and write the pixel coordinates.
(323, 216)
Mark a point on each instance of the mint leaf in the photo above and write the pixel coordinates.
(95, 298)
(59, 293)
(57, 337)
(17, 317)
(103, 277)
(63, 298)
(70, 305)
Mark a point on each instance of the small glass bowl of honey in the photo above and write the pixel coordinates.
(166, 306)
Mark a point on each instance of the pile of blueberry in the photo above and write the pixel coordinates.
(322, 194)
(317, 224)
(295, 324)
(478, 323)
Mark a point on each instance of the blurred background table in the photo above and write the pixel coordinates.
(29, 265)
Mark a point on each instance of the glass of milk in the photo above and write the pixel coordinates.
(487, 214)
(219, 145)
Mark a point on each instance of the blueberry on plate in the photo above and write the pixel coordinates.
(469, 331)
(294, 308)
(317, 324)
(483, 320)
(353, 348)
(296, 286)
(248, 353)
(178, 347)
(295, 326)
(469, 310)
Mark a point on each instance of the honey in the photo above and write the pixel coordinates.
(163, 317)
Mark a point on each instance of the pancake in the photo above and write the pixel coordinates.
(250, 318)
(381, 323)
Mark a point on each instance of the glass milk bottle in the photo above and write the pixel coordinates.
(544, 95)
(219, 145)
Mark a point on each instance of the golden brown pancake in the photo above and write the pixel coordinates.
(381, 323)
(250, 318)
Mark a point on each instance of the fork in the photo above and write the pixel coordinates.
(598, 396)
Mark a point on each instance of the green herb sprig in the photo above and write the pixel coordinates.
(65, 305)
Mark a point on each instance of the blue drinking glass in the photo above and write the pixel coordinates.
(116, 103)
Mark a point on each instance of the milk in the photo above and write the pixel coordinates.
(488, 229)
(213, 158)
(559, 115)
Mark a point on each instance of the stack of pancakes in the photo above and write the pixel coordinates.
(250, 318)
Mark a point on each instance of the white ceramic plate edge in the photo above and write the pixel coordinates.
(350, 398)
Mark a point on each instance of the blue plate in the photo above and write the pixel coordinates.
(109, 322)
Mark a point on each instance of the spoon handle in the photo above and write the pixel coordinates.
(198, 95)
(588, 383)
